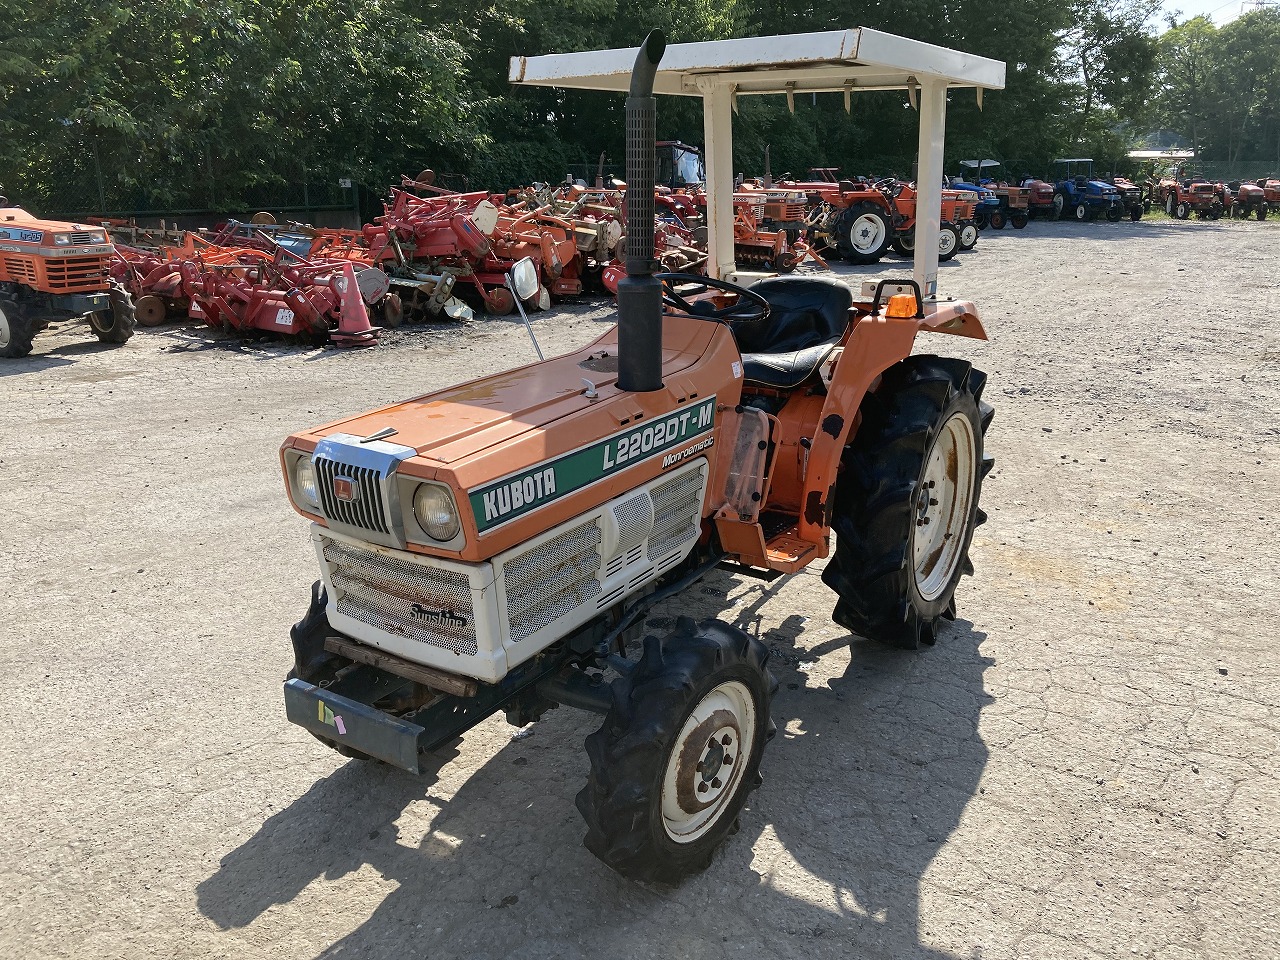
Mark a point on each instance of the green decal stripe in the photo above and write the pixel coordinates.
(496, 503)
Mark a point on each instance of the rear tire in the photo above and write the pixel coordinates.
(895, 577)
(1059, 206)
(1171, 205)
(1135, 212)
(863, 233)
(115, 325)
(1262, 211)
(679, 751)
(17, 329)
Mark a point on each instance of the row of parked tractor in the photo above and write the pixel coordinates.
(1080, 195)
(439, 253)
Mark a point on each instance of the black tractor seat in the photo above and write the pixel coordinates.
(807, 318)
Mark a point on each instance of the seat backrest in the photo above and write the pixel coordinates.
(803, 312)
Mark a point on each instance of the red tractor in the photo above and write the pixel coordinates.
(1039, 199)
(1181, 198)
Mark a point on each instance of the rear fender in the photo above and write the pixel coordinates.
(874, 345)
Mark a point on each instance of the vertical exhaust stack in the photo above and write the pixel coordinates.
(639, 293)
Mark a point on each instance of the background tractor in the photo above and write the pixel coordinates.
(497, 545)
(50, 271)
(1247, 200)
(1012, 202)
(1182, 196)
(1130, 196)
(1079, 196)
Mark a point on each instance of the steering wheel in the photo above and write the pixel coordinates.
(750, 307)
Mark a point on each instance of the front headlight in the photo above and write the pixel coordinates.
(436, 513)
(99, 236)
(62, 239)
(304, 481)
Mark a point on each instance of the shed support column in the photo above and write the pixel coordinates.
(717, 128)
(933, 116)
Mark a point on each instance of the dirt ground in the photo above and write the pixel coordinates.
(1084, 766)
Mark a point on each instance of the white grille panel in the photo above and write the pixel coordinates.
(677, 508)
(422, 603)
(549, 580)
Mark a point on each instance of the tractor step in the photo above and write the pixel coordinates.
(787, 553)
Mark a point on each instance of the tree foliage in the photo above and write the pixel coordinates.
(197, 103)
(1217, 86)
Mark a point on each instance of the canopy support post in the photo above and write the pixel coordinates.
(933, 116)
(717, 126)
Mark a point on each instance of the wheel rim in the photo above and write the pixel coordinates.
(969, 236)
(5, 334)
(707, 761)
(1081, 211)
(943, 507)
(946, 242)
(867, 233)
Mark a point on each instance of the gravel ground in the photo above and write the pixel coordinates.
(1084, 766)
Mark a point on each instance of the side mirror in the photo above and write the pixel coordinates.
(524, 279)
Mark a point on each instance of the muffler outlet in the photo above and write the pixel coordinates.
(639, 294)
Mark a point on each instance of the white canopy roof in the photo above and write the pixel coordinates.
(857, 60)
(862, 58)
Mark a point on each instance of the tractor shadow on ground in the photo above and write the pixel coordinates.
(62, 355)
(871, 771)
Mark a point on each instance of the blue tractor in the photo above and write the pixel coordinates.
(1076, 194)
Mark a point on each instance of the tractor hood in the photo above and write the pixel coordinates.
(448, 427)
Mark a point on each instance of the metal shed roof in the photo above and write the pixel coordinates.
(858, 58)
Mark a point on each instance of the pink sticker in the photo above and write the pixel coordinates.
(337, 722)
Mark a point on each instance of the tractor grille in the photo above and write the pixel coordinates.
(401, 597)
(366, 510)
(547, 581)
(677, 507)
(20, 270)
(76, 274)
(83, 238)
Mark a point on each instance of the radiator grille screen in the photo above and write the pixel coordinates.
(423, 603)
(547, 581)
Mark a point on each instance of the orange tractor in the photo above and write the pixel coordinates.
(497, 545)
(50, 271)
(957, 229)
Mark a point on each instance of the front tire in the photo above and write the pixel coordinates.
(1082, 212)
(1114, 214)
(906, 501)
(997, 220)
(1262, 211)
(1020, 220)
(17, 329)
(948, 242)
(969, 235)
(864, 233)
(115, 325)
(678, 753)
(1182, 211)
